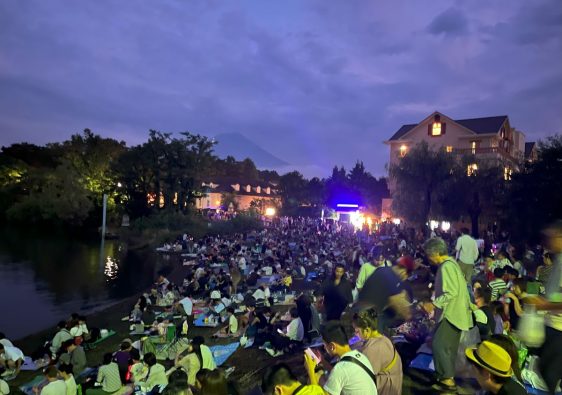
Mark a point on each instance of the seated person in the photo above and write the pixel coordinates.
(293, 334)
(11, 359)
(252, 279)
(207, 359)
(122, 358)
(279, 379)
(156, 374)
(62, 335)
(54, 385)
(75, 356)
(232, 328)
(493, 369)
(108, 380)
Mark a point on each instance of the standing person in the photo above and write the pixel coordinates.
(337, 292)
(453, 312)
(551, 358)
(467, 254)
(352, 374)
(388, 293)
(367, 269)
(385, 360)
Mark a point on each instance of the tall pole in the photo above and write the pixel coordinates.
(104, 216)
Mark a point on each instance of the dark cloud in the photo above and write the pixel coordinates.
(451, 22)
(315, 84)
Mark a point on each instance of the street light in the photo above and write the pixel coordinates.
(270, 211)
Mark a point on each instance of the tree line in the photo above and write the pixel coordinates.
(64, 183)
(436, 184)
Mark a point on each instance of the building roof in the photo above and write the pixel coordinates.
(225, 185)
(529, 148)
(486, 125)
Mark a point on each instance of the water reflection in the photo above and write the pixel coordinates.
(111, 269)
(49, 276)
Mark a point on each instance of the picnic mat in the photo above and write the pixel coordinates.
(423, 361)
(222, 352)
(200, 322)
(89, 346)
(31, 365)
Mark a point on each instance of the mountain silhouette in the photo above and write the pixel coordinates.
(240, 147)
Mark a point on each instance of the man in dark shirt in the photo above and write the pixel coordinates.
(337, 294)
(493, 369)
(386, 290)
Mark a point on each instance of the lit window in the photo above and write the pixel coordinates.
(507, 173)
(403, 150)
(471, 169)
(436, 129)
(473, 147)
(449, 148)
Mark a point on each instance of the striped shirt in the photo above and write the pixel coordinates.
(498, 288)
(108, 376)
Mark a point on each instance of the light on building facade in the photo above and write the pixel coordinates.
(270, 211)
(403, 150)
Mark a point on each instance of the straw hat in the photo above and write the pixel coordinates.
(492, 358)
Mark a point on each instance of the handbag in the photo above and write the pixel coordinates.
(531, 327)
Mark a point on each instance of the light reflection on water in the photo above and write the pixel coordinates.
(111, 268)
(49, 276)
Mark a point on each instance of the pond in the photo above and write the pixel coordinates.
(46, 277)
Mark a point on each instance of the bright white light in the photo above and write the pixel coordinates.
(119, 185)
(445, 226)
(433, 224)
(347, 205)
(270, 211)
(396, 221)
(357, 219)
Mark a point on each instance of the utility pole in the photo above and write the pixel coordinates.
(104, 216)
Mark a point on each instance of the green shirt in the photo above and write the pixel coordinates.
(366, 271)
(451, 296)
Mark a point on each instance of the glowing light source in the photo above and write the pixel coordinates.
(347, 205)
(449, 148)
(403, 150)
(445, 226)
(433, 224)
(471, 169)
(119, 185)
(436, 129)
(396, 221)
(270, 211)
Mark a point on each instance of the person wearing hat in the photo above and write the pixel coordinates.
(388, 293)
(493, 369)
(452, 313)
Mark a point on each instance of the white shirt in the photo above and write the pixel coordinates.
(12, 354)
(259, 294)
(267, 270)
(242, 263)
(6, 343)
(295, 330)
(347, 378)
(467, 250)
(187, 305)
(57, 387)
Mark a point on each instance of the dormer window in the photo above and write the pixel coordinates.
(436, 128)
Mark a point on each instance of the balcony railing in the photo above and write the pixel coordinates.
(483, 151)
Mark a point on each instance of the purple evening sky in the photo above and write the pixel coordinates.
(316, 83)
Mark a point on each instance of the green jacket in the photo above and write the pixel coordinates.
(451, 296)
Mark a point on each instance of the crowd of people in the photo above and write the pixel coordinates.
(353, 303)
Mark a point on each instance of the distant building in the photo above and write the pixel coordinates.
(243, 191)
(531, 154)
(488, 139)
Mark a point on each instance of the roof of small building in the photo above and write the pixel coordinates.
(484, 125)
